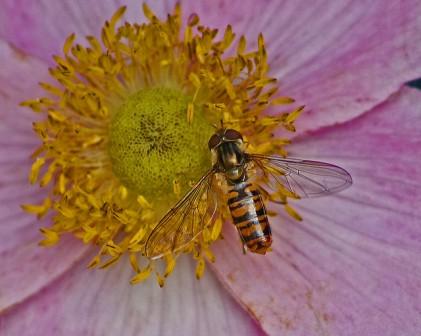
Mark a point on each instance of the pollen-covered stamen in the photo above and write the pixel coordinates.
(126, 129)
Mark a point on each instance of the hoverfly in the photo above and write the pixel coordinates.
(188, 218)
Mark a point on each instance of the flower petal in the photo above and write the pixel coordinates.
(25, 267)
(94, 302)
(352, 266)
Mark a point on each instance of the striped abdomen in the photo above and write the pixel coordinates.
(249, 216)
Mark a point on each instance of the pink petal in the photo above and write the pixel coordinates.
(352, 266)
(338, 58)
(25, 267)
(97, 302)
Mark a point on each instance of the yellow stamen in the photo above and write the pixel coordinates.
(170, 261)
(216, 229)
(142, 275)
(200, 268)
(292, 212)
(36, 166)
(160, 279)
(294, 115)
(94, 262)
(39, 210)
(282, 101)
(177, 188)
(126, 126)
(50, 238)
(190, 112)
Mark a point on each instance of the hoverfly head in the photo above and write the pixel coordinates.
(224, 135)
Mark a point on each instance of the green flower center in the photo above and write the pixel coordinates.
(152, 145)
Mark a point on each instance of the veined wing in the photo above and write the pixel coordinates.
(185, 221)
(303, 178)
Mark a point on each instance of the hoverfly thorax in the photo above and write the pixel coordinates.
(226, 146)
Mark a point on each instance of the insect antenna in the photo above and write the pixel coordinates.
(222, 124)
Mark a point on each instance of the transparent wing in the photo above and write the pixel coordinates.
(303, 178)
(185, 221)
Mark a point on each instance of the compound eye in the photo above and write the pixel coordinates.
(214, 141)
(231, 134)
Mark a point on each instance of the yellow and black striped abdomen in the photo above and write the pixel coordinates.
(249, 216)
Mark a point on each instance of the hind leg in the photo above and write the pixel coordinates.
(243, 242)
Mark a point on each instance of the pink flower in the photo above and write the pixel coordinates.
(351, 267)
